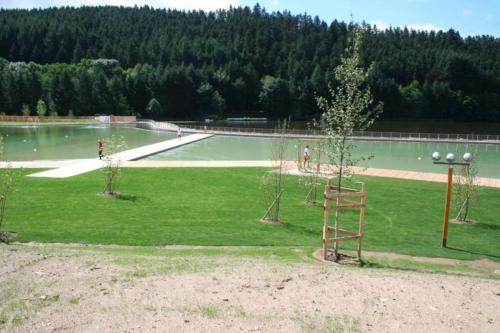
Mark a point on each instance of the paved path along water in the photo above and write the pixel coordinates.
(291, 167)
(128, 155)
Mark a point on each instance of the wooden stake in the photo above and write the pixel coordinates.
(326, 214)
(337, 216)
(318, 168)
(447, 205)
(299, 156)
(272, 205)
(361, 220)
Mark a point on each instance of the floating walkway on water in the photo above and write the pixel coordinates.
(128, 155)
(485, 139)
(314, 134)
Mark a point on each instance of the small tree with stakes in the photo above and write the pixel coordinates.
(349, 107)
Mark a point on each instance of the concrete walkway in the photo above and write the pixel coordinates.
(128, 155)
(414, 175)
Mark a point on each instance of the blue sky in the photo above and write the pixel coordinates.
(469, 17)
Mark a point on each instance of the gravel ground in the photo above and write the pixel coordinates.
(71, 289)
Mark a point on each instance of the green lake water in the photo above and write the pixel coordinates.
(388, 155)
(25, 143)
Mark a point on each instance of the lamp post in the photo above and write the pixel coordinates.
(450, 161)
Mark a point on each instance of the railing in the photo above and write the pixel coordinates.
(20, 119)
(6, 118)
(357, 134)
(247, 130)
(146, 123)
(360, 135)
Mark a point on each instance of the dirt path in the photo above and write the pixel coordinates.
(45, 289)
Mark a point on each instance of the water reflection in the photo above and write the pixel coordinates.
(23, 143)
(387, 155)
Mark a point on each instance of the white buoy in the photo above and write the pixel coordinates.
(419, 158)
(34, 149)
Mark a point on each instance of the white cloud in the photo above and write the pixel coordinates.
(423, 27)
(381, 25)
(467, 12)
(488, 18)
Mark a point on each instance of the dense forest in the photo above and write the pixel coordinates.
(243, 61)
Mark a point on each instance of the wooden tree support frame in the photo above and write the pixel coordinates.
(265, 217)
(311, 197)
(336, 202)
(316, 146)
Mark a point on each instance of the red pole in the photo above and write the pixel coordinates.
(447, 205)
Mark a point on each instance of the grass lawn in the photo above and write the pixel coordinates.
(222, 206)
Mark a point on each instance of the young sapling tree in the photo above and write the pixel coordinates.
(112, 164)
(466, 189)
(5, 188)
(272, 183)
(349, 107)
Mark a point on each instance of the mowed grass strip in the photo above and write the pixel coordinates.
(222, 206)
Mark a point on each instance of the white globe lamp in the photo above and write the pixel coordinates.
(450, 157)
(436, 156)
(468, 157)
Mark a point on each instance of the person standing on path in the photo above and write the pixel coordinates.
(307, 157)
(179, 132)
(100, 147)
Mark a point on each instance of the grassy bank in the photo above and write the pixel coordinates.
(304, 255)
(202, 206)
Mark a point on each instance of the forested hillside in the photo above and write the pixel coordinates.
(174, 64)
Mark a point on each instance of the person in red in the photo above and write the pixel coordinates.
(100, 146)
